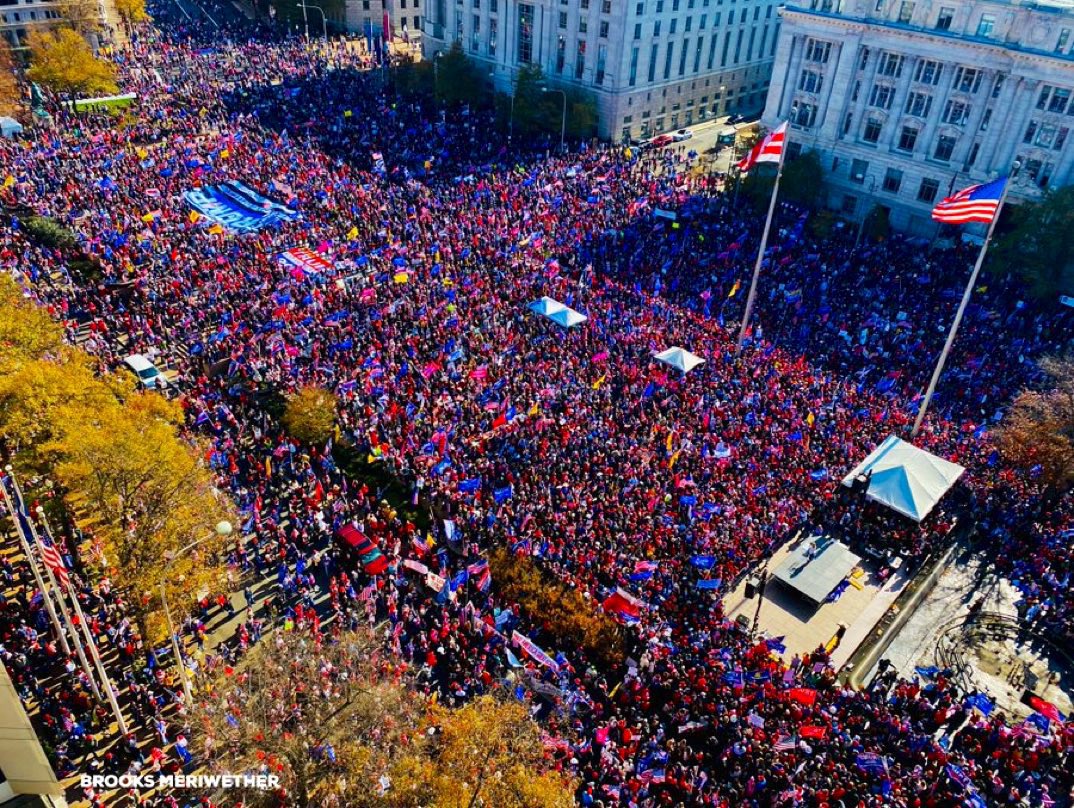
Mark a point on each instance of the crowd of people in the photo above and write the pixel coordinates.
(571, 446)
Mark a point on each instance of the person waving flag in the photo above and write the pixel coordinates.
(767, 150)
(978, 203)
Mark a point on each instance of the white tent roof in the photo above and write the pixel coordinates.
(906, 479)
(557, 312)
(567, 317)
(679, 358)
(546, 306)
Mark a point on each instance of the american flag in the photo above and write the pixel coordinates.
(978, 203)
(54, 561)
(767, 150)
(786, 743)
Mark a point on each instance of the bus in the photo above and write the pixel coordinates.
(105, 102)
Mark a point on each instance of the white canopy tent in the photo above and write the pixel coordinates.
(557, 312)
(906, 479)
(679, 358)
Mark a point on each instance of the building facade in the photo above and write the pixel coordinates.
(905, 101)
(369, 17)
(653, 65)
(19, 17)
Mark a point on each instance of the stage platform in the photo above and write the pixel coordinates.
(816, 567)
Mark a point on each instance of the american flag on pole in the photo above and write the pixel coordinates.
(767, 150)
(54, 561)
(978, 203)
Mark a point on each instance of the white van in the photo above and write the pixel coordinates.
(148, 375)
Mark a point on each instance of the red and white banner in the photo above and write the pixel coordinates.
(767, 150)
(303, 261)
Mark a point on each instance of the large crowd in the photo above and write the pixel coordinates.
(571, 446)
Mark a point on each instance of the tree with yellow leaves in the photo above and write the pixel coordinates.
(10, 98)
(131, 12)
(26, 330)
(151, 495)
(61, 60)
(310, 415)
(1038, 431)
(488, 753)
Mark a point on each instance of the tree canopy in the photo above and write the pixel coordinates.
(62, 60)
(1034, 245)
(310, 415)
(131, 12)
(10, 98)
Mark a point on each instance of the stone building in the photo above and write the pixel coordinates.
(652, 65)
(905, 101)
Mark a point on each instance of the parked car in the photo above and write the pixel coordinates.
(149, 376)
(662, 140)
(681, 135)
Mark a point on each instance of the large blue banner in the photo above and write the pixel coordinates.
(238, 207)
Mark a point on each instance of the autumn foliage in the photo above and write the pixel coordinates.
(563, 612)
(310, 415)
(1038, 431)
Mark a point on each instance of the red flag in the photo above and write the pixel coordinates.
(813, 731)
(767, 150)
(803, 695)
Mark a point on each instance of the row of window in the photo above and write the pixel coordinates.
(688, 25)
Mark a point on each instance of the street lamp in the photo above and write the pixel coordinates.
(324, 20)
(563, 123)
(223, 528)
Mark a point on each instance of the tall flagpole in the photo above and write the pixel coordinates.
(760, 250)
(962, 307)
(61, 636)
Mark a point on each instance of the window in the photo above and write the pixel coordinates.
(944, 19)
(945, 147)
(802, 114)
(881, 96)
(563, 19)
(583, 25)
(493, 31)
(682, 56)
(1060, 99)
(689, 24)
(858, 170)
(873, 127)
(928, 72)
(928, 189)
(986, 25)
(667, 60)
(674, 25)
(606, 7)
(918, 104)
(892, 180)
(1064, 40)
(818, 51)
(652, 63)
(475, 34)
(602, 58)
(637, 31)
(890, 64)
(850, 204)
(561, 53)
(633, 67)
(956, 113)
(1061, 138)
(656, 28)
(640, 9)
(997, 86)
(974, 151)
(1031, 132)
(525, 33)
(579, 60)
(986, 119)
(967, 79)
(906, 11)
(603, 30)
(864, 60)
(810, 81)
(1046, 136)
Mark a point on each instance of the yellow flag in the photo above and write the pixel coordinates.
(268, 466)
(225, 153)
(194, 216)
(810, 419)
(216, 229)
(734, 290)
(148, 217)
(596, 385)
(9, 181)
(534, 409)
(142, 153)
(352, 234)
(400, 277)
(347, 113)
(674, 458)
(671, 437)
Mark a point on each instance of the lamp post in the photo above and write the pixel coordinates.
(324, 20)
(563, 122)
(305, 20)
(223, 528)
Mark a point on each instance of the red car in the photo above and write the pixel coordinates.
(661, 140)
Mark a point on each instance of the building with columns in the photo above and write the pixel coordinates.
(653, 65)
(905, 101)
